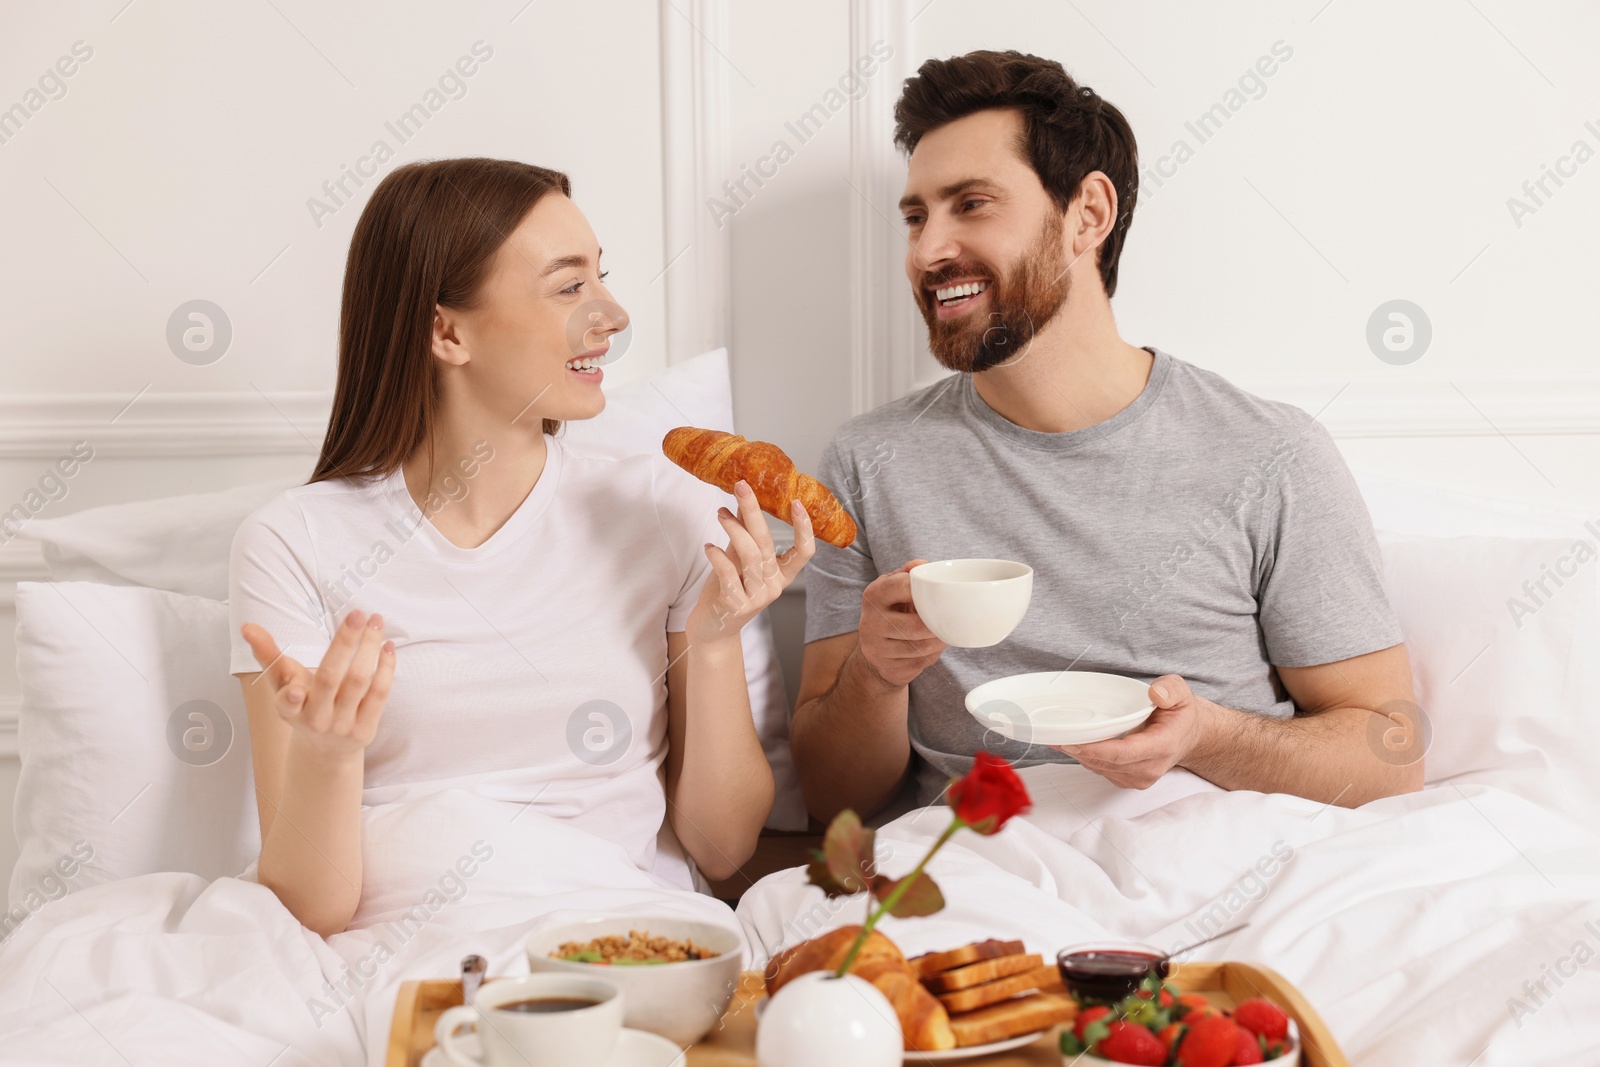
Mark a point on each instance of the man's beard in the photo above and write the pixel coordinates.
(1020, 304)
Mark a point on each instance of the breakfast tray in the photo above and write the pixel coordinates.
(733, 1043)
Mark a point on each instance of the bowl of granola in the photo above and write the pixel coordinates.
(676, 975)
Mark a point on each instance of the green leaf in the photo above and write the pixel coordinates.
(922, 897)
(1070, 1045)
(1097, 1031)
(817, 874)
(847, 850)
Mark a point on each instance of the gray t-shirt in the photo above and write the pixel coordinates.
(1200, 531)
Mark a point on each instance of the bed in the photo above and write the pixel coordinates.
(1452, 926)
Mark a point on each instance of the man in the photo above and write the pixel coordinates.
(1179, 528)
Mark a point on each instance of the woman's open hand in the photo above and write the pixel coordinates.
(749, 574)
(336, 710)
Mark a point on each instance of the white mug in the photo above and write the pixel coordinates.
(579, 1037)
(971, 603)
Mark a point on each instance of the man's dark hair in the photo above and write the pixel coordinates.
(1069, 130)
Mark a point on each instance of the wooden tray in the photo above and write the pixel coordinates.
(733, 1043)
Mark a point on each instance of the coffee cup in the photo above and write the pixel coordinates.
(554, 1020)
(971, 603)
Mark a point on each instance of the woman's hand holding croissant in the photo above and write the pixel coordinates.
(748, 574)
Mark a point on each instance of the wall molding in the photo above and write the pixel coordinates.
(1478, 408)
(10, 709)
(44, 426)
(696, 151)
(1550, 407)
(21, 560)
(883, 323)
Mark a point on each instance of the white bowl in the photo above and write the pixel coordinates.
(679, 1001)
(971, 603)
(1289, 1059)
(1061, 707)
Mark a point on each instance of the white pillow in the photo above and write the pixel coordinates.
(133, 740)
(177, 543)
(1508, 680)
(1423, 511)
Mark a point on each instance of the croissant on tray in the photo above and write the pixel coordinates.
(924, 1023)
(723, 458)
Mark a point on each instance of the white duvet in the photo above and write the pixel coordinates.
(170, 969)
(1411, 924)
(1451, 927)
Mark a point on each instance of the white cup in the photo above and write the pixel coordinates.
(579, 1037)
(971, 603)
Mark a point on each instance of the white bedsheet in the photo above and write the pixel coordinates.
(1411, 924)
(171, 969)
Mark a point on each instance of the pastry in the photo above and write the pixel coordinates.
(723, 459)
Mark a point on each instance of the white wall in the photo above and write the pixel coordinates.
(1375, 165)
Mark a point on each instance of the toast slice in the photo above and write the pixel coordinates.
(982, 971)
(932, 963)
(1012, 1018)
(979, 996)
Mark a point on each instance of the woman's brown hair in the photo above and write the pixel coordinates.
(1069, 131)
(427, 236)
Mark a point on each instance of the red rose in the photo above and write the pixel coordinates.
(987, 796)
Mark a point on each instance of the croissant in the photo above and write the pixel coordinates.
(723, 458)
(924, 1023)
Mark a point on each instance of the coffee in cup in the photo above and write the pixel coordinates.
(555, 1020)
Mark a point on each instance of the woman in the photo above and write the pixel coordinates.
(527, 621)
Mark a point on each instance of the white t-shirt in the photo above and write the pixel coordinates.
(531, 668)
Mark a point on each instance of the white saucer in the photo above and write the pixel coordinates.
(635, 1048)
(1061, 707)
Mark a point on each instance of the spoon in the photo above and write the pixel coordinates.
(472, 968)
(1210, 939)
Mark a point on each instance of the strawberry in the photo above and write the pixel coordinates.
(1212, 1042)
(1261, 1016)
(1087, 1016)
(1131, 1043)
(1171, 1035)
(1196, 1006)
(1248, 1049)
(1165, 1000)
